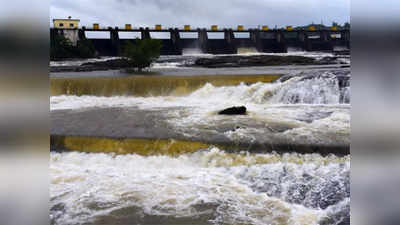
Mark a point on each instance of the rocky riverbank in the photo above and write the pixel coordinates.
(262, 60)
(112, 64)
(224, 61)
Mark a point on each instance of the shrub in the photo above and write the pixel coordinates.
(62, 48)
(142, 53)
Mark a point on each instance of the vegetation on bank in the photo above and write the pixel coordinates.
(62, 48)
(141, 54)
(324, 27)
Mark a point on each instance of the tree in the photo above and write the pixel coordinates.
(62, 48)
(85, 49)
(347, 25)
(142, 53)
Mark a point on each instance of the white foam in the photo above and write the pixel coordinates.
(165, 65)
(309, 91)
(78, 62)
(90, 185)
(268, 103)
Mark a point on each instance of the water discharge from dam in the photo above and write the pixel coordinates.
(192, 51)
(147, 85)
(207, 187)
(178, 91)
(193, 182)
(247, 51)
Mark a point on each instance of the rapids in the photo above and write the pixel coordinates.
(206, 187)
(316, 90)
(302, 110)
(213, 185)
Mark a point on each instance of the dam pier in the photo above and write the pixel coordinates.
(210, 41)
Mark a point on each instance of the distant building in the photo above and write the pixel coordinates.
(66, 23)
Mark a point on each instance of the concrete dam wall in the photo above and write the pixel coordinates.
(174, 40)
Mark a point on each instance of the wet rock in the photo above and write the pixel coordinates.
(342, 52)
(258, 60)
(328, 60)
(241, 110)
(112, 64)
(236, 128)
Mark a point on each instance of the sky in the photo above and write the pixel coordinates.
(202, 13)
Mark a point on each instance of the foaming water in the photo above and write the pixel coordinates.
(166, 65)
(210, 186)
(308, 110)
(147, 85)
(323, 89)
(318, 90)
(78, 62)
(194, 52)
(296, 90)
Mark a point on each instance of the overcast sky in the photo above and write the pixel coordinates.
(202, 13)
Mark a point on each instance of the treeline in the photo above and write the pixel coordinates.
(62, 48)
(324, 27)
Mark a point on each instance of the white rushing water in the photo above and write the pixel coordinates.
(318, 90)
(212, 185)
(78, 62)
(313, 108)
(227, 188)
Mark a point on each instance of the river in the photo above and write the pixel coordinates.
(214, 185)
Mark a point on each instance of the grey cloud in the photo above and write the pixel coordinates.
(203, 13)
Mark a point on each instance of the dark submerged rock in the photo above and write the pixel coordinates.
(112, 64)
(258, 60)
(241, 110)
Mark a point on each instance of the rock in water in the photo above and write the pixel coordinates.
(258, 60)
(241, 110)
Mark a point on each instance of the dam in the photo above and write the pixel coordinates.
(211, 41)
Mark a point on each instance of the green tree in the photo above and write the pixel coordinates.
(62, 48)
(347, 25)
(85, 49)
(143, 53)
